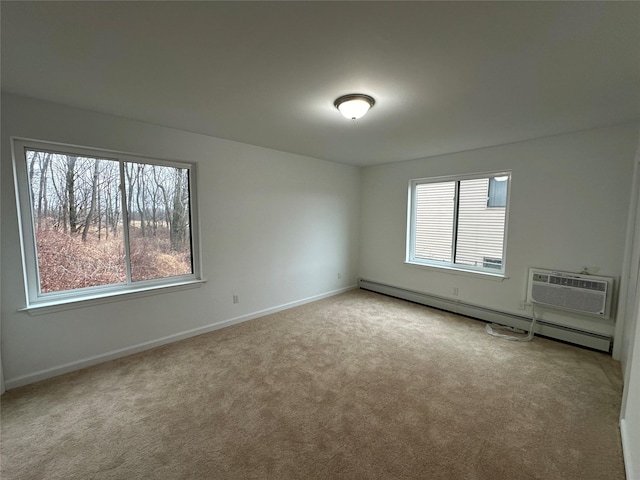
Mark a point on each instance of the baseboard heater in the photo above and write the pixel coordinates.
(544, 328)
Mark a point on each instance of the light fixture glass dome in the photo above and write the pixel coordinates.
(355, 105)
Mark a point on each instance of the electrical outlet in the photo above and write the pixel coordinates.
(236, 299)
(339, 275)
(455, 291)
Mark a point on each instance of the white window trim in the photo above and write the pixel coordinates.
(451, 267)
(59, 305)
(37, 303)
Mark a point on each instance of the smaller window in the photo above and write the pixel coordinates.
(497, 195)
(450, 226)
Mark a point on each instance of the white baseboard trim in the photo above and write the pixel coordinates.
(140, 347)
(631, 470)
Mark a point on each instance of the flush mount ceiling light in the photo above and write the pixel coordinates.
(354, 105)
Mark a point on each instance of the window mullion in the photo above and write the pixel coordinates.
(456, 206)
(125, 223)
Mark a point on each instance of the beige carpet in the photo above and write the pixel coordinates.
(358, 386)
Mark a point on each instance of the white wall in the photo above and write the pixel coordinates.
(630, 284)
(276, 228)
(568, 209)
(628, 348)
(630, 414)
(2, 385)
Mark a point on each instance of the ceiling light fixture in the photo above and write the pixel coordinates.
(354, 105)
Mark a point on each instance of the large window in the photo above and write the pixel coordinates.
(98, 223)
(459, 222)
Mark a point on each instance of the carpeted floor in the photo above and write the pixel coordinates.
(357, 386)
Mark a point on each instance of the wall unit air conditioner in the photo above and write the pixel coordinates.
(587, 294)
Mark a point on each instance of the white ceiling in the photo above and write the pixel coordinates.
(447, 76)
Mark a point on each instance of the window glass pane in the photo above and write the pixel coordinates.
(75, 203)
(159, 221)
(434, 213)
(498, 191)
(480, 229)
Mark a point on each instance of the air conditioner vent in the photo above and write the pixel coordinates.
(578, 283)
(570, 291)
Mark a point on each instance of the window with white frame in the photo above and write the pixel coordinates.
(97, 223)
(459, 222)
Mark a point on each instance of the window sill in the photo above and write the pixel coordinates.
(497, 277)
(59, 305)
